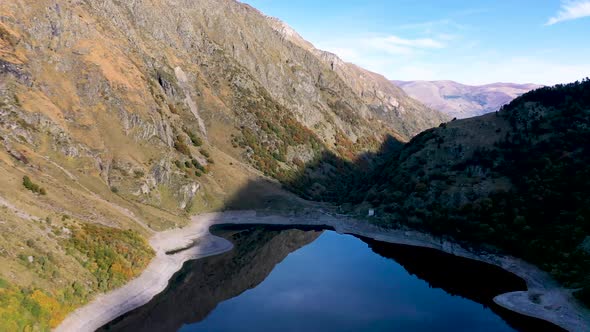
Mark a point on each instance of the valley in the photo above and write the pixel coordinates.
(129, 128)
(556, 305)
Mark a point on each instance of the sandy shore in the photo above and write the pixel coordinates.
(544, 298)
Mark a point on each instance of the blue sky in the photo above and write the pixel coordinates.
(472, 42)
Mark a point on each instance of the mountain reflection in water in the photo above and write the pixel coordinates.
(211, 294)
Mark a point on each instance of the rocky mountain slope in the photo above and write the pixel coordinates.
(120, 118)
(464, 101)
(517, 180)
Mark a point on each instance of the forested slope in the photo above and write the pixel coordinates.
(517, 180)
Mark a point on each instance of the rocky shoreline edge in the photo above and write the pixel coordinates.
(544, 298)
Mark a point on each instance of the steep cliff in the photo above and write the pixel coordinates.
(135, 114)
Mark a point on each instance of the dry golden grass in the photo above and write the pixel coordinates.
(87, 74)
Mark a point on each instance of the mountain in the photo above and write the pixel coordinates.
(517, 180)
(464, 101)
(121, 118)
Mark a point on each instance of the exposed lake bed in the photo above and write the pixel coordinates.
(304, 279)
(168, 241)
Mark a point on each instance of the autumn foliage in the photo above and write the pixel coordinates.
(113, 256)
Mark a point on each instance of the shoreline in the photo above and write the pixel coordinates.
(543, 299)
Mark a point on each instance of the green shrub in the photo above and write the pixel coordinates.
(298, 162)
(27, 183)
(196, 140)
(30, 309)
(198, 165)
(205, 153)
(112, 255)
(181, 147)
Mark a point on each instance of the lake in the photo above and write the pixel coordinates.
(307, 279)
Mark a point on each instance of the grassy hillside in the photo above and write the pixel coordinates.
(108, 258)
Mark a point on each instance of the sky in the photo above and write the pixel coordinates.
(472, 42)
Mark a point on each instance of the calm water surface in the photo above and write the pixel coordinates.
(308, 280)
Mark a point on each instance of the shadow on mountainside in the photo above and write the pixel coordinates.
(337, 180)
(536, 124)
(324, 183)
(327, 181)
(514, 182)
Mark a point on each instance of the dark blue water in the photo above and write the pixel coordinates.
(296, 280)
(338, 284)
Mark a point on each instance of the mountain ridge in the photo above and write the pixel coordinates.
(462, 100)
(119, 119)
(516, 180)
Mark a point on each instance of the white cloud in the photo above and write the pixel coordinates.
(423, 59)
(571, 10)
(345, 53)
(427, 26)
(443, 54)
(509, 69)
(447, 36)
(450, 22)
(396, 45)
(473, 69)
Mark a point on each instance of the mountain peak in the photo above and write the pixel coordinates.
(288, 33)
(133, 115)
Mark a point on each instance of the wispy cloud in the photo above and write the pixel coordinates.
(450, 22)
(516, 69)
(346, 53)
(397, 45)
(470, 66)
(425, 25)
(433, 26)
(571, 10)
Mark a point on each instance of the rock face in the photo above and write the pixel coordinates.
(464, 101)
(385, 101)
(135, 114)
(134, 83)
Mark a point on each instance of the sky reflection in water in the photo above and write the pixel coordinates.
(337, 283)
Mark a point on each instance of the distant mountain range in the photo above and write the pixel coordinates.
(464, 101)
